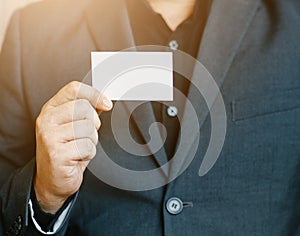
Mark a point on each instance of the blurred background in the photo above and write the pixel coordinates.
(6, 9)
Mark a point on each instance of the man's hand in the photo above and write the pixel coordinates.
(66, 135)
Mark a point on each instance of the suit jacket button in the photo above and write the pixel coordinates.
(174, 206)
(17, 226)
(19, 219)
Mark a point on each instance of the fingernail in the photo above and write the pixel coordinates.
(107, 103)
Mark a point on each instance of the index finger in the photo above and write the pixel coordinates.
(77, 90)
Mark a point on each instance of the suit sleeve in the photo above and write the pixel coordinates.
(16, 135)
(17, 139)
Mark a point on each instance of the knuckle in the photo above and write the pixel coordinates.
(43, 135)
(89, 146)
(89, 127)
(93, 153)
(97, 97)
(90, 149)
(86, 109)
(51, 116)
(73, 87)
(41, 119)
(97, 121)
(85, 148)
(94, 137)
(53, 153)
(84, 105)
(45, 120)
(45, 106)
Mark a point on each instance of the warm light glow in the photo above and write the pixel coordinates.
(7, 7)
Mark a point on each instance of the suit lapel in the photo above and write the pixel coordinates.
(143, 119)
(109, 25)
(226, 27)
(114, 33)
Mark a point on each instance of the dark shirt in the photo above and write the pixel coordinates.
(149, 28)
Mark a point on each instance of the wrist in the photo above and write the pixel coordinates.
(48, 202)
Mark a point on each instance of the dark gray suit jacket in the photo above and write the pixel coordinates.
(251, 49)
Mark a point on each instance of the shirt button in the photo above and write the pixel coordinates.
(173, 45)
(172, 111)
(174, 206)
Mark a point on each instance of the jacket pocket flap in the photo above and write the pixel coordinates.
(264, 105)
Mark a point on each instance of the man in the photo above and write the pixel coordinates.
(250, 48)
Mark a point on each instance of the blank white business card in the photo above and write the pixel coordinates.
(134, 76)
